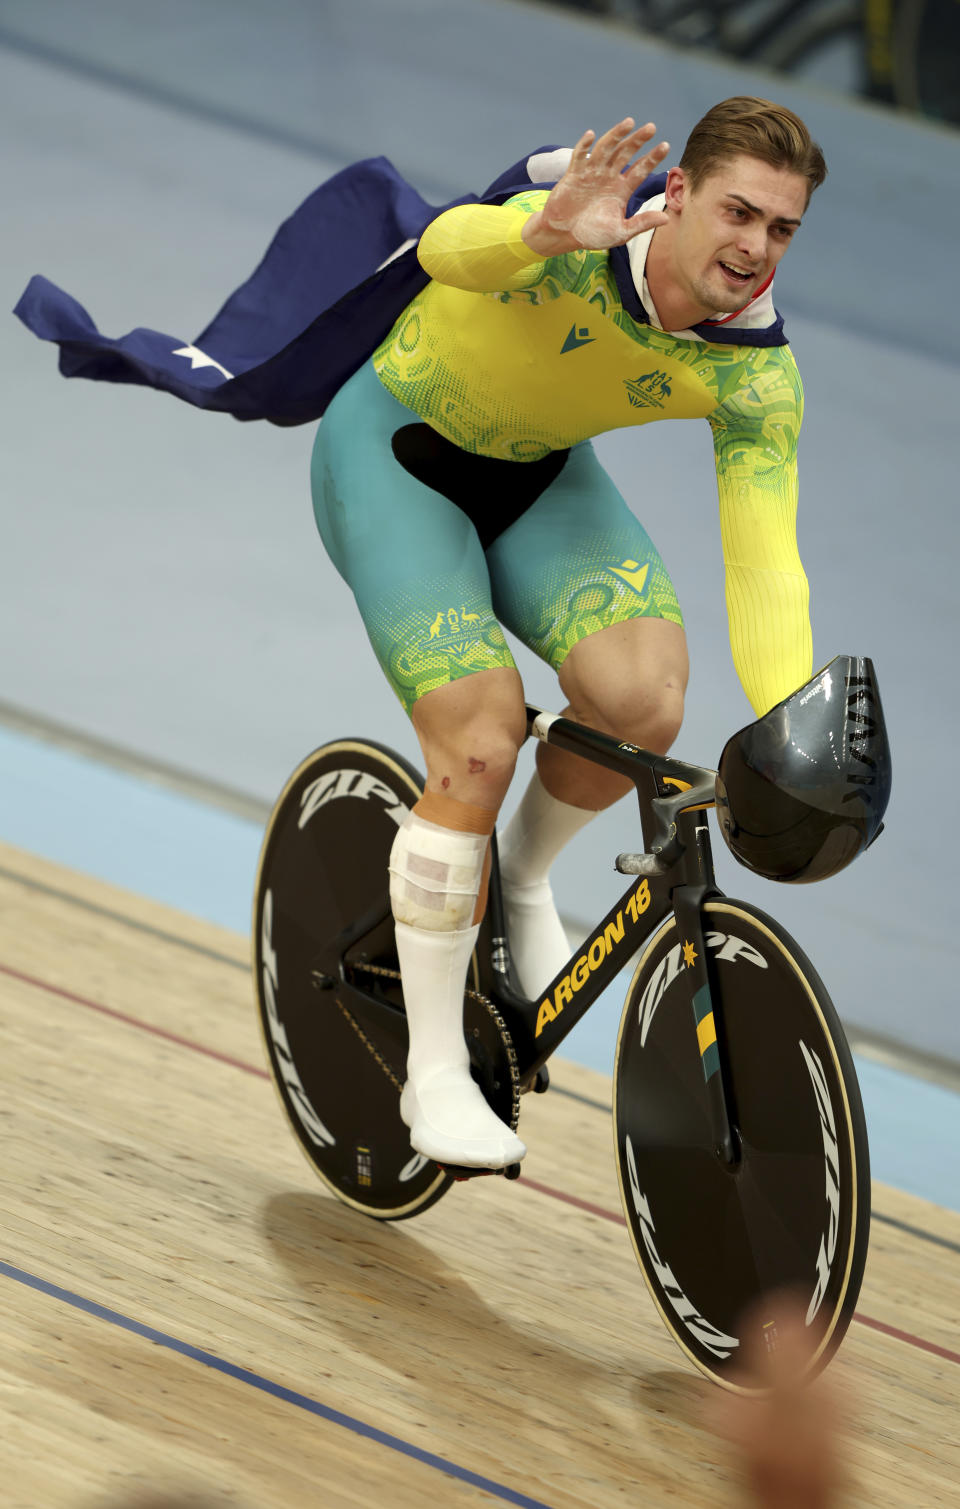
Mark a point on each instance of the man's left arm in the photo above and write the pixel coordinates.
(755, 443)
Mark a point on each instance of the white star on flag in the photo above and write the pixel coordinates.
(200, 358)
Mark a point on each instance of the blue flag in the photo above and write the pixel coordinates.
(333, 281)
(323, 298)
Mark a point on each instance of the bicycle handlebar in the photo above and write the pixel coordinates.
(696, 783)
(628, 759)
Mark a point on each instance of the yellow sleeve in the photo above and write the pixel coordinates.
(755, 444)
(479, 246)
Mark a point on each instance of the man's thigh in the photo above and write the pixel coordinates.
(576, 562)
(411, 557)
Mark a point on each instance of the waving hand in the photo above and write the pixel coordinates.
(587, 208)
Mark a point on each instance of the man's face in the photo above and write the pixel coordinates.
(733, 228)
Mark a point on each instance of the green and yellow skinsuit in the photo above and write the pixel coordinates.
(519, 359)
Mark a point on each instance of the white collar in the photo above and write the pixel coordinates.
(759, 314)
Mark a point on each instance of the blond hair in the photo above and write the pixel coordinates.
(745, 125)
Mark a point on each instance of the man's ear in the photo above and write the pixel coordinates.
(678, 189)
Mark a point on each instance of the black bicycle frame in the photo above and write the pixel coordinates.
(674, 873)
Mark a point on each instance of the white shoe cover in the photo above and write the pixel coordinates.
(450, 1122)
(443, 1106)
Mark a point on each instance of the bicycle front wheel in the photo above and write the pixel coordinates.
(793, 1214)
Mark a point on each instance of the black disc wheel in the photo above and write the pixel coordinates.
(327, 981)
(724, 1248)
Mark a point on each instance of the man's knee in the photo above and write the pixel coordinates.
(629, 681)
(649, 716)
(470, 733)
(473, 762)
(657, 714)
(645, 708)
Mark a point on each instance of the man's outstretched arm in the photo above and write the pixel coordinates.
(489, 248)
(766, 587)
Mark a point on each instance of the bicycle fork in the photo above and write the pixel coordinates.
(688, 909)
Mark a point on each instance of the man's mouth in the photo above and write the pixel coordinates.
(735, 274)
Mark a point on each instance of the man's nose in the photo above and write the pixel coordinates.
(752, 242)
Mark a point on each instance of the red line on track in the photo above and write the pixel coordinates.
(914, 1341)
(133, 1021)
(542, 1189)
(559, 1194)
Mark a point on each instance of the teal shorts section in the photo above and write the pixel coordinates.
(432, 602)
(410, 557)
(576, 562)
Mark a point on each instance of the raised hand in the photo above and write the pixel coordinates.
(586, 209)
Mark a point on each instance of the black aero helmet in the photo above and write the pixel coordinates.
(803, 790)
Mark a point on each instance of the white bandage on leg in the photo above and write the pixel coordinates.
(533, 838)
(435, 875)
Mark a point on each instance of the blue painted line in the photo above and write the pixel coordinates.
(267, 1386)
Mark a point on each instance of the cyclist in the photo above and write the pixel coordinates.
(456, 490)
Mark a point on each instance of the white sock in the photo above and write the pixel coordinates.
(531, 841)
(445, 1109)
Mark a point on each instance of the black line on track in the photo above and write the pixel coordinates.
(132, 922)
(916, 1231)
(156, 773)
(584, 1100)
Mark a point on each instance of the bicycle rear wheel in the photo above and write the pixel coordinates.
(794, 1214)
(338, 1054)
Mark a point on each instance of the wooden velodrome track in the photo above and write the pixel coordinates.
(184, 1307)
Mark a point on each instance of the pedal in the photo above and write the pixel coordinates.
(539, 1082)
(460, 1172)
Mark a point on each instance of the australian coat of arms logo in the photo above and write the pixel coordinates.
(649, 390)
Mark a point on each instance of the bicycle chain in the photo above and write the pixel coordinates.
(375, 1052)
(473, 995)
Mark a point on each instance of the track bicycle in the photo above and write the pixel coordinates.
(740, 1140)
